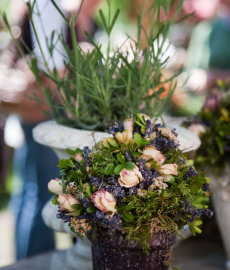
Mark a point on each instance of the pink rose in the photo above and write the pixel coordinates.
(198, 129)
(168, 169)
(66, 202)
(104, 201)
(130, 178)
(55, 186)
(153, 153)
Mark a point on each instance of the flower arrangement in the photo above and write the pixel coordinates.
(137, 182)
(212, 124)
(99, 87)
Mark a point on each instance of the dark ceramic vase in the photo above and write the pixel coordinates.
(112, 252)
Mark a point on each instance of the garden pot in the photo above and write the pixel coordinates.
(113, 252)
(58, 138)
(220, 186)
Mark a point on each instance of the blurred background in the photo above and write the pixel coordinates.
(199, 49)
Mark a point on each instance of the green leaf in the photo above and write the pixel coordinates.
(114, 20)
(197, 205)
(127, 216)
(193, 189)
(114, 143)
(77, 206)
(129, 206)
(118, 169)
(54, 200)
(196, 229)
(208, 180)
(197, 222)
(129, 166)
(109, 169)
(121, 158)
(138, 139)
(91, 209)
(103, 19)
(71, 152)
(83, 169)
(88, 191)
(136, 154)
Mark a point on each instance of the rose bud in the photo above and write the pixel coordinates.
(78, 158)
(168, 169)
(146, 117)
(130, 178)
(128, 124)
(66, 202)
(153, 153)
(55, 186)
(198, 129)
(211, 103)
(167, 178)
(124, 138)
(104, 201)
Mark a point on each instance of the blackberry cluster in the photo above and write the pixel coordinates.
(128, 156)
(86, 202)
(190, 173)
(149, 128)
(86, 152)
(95, 181)
(62, 215)
(148, 175)
(115, 128)
(206, 187)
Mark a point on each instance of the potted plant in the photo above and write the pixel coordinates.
(131, 195)
(212, 124)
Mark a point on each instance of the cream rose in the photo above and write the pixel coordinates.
(168, 169)
(130, 178)
(66, 202)
(153, 153)
(104, 201)
(55, 186)
(128, 124)
(78, 158)
(124, 137)
(198, 129)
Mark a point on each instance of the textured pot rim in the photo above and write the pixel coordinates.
(54, 135)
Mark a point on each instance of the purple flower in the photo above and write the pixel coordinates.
(211, 103)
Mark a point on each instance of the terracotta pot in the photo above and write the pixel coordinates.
(112, 252)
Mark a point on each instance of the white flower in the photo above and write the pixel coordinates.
(153, 153)
(55, 186)
(66, 202)
(198, 129)
(104, 201)
(130, 178)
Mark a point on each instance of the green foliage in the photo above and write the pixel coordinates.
(214, 151)
(98, 89)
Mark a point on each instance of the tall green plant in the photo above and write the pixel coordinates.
(98, 89)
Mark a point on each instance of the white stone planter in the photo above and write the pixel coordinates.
(220, 186)
(59, 138)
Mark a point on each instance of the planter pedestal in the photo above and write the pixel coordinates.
(220, 186)
(77, 257)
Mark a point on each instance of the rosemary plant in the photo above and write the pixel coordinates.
(98, 89)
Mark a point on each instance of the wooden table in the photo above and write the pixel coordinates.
(194, 253)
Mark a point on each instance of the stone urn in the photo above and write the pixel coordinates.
(59, 137)
(220, 186)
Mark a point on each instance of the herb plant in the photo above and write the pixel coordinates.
(96, 88)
